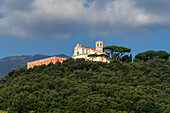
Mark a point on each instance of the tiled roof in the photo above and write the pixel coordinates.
(88, 47)
(49, 58)
(45, 61)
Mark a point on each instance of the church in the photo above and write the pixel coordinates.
(91, 54)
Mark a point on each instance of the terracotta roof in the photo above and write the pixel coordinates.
(59, 58)
(88, 47)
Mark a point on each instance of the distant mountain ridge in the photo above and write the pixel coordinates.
(9, 63)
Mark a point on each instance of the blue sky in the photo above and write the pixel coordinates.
(55, 26)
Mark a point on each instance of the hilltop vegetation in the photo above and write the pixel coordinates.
(151, 54)
(80, 86)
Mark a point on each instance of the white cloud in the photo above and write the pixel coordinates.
(41, 18)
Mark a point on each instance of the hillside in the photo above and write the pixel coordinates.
(9, 63)
(80, 86)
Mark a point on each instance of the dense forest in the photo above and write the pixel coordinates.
(84, 86)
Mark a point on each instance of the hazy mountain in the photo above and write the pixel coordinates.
(9, 63)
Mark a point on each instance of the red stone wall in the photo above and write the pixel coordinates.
(45, 61)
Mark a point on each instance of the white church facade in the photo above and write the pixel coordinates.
(97, 54)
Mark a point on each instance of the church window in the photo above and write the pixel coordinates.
(97, 44)
(77, 53)
(100, 44)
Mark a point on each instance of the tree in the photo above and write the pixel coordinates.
(81, 86)
(163, 54)
(98, 55)
(151, 54)
(126, 58)
(119, 51)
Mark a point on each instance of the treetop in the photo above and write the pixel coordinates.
(117, 48)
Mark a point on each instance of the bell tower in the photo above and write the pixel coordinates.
(99, 46)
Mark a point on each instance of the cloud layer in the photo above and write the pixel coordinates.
(60, 18)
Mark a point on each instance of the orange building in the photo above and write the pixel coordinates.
(45, 61)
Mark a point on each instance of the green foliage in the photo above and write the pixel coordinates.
(117, 52)
(151, 54)
(92, 87)
(126, 58)
(119, 49)
(136, 60)
(98, 55)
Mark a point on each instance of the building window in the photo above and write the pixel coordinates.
(77, 53)
(100, 44)
(97, 44)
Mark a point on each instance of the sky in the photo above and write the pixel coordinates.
(52, 27)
